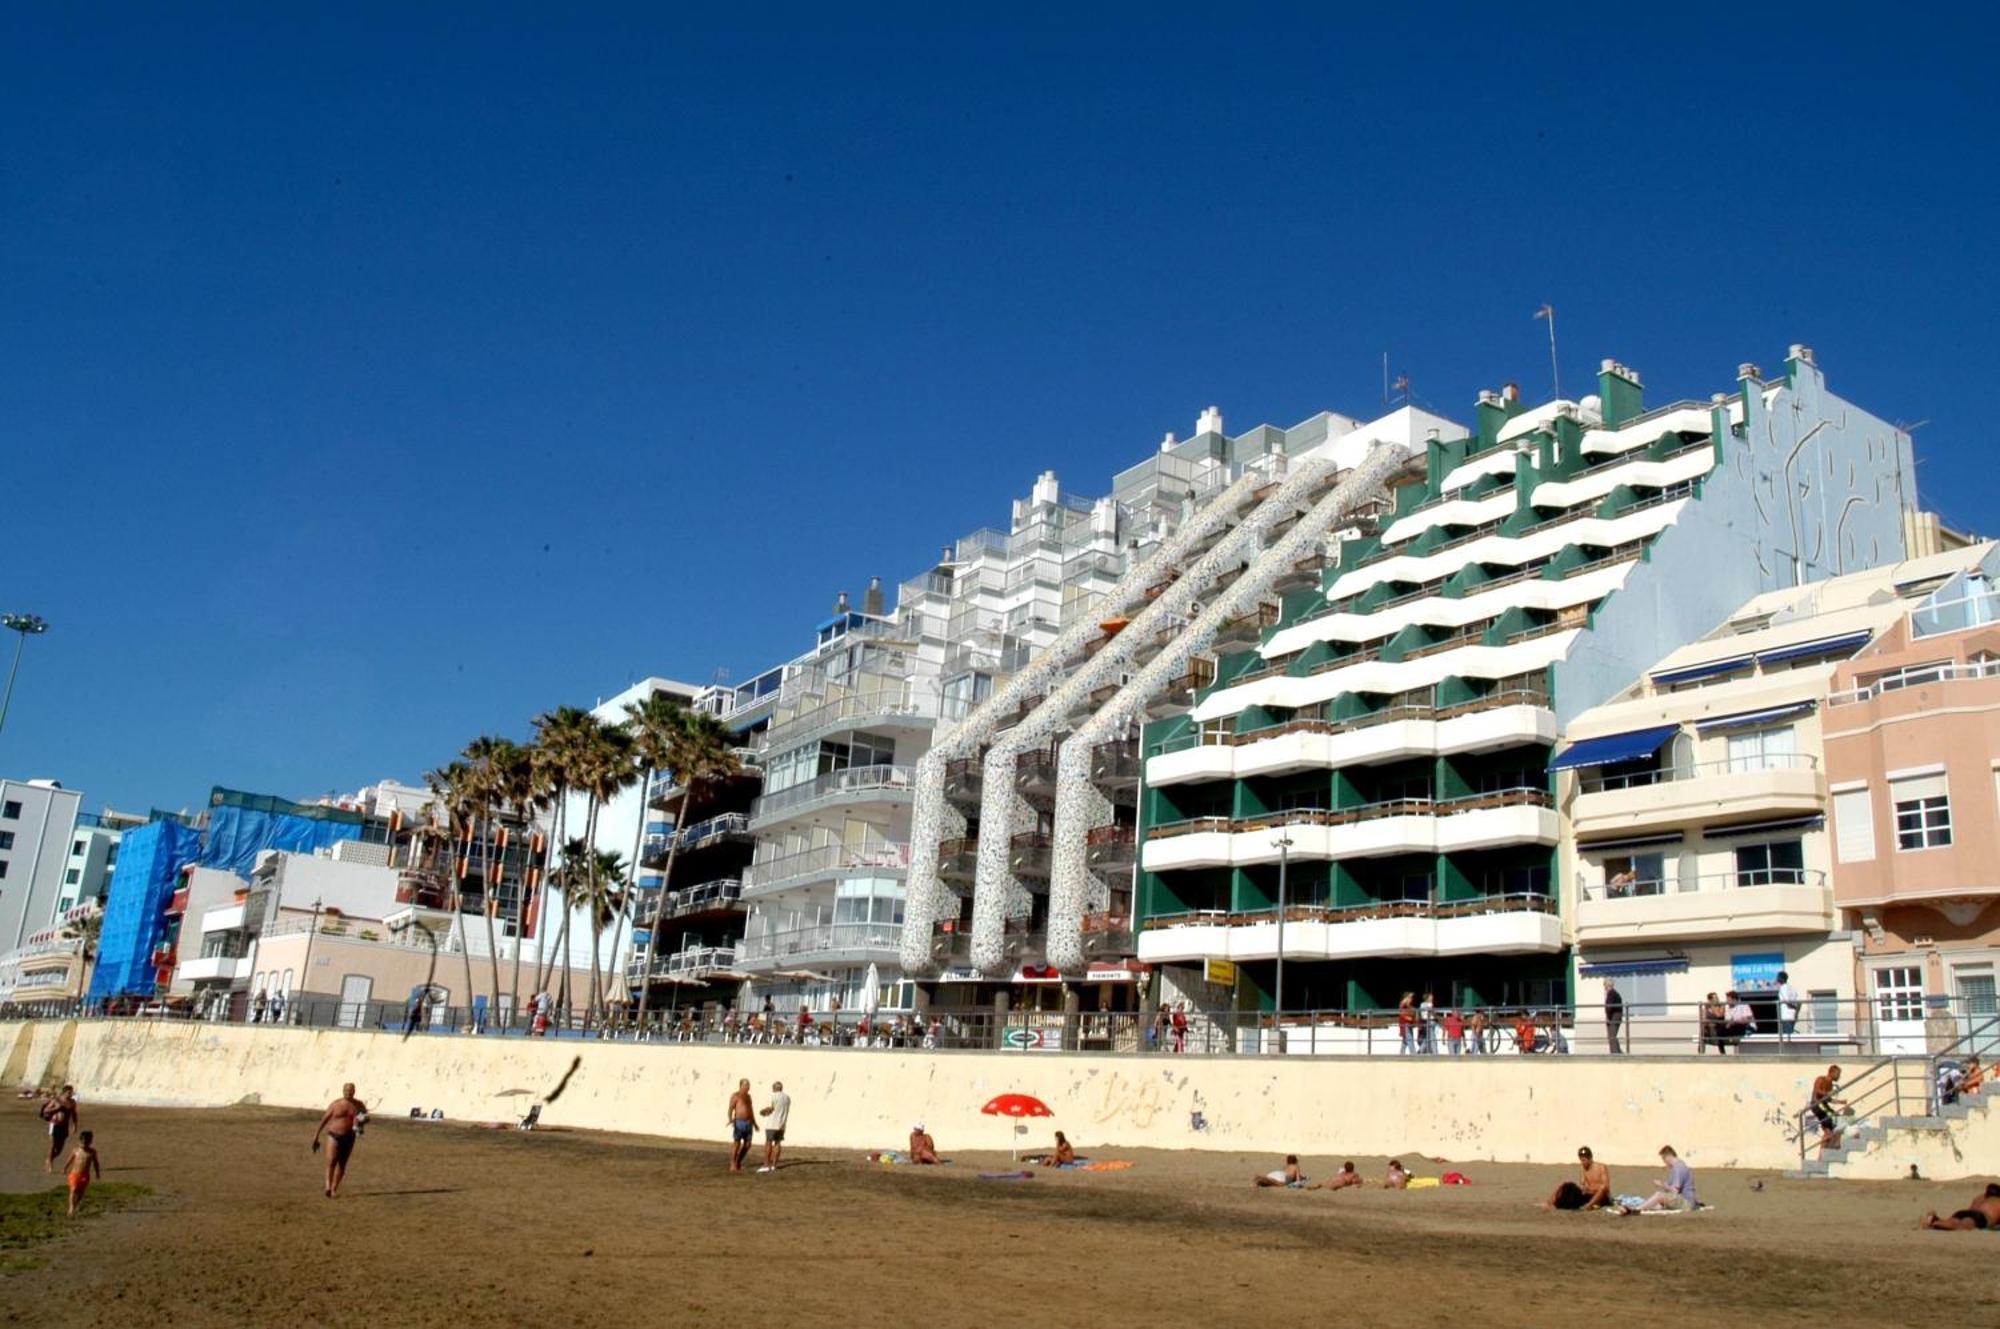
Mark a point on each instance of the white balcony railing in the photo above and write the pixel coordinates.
(1916, 676)
(1742, 879)
(803, 943)
(856, 781)
(883, 856)
(1596, 783)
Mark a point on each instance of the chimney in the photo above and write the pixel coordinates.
(1210, 421)
(1488, 416)
(1167, 443)
(871, 599)
(1620, 394)
(1047, 490)
(1511, 394)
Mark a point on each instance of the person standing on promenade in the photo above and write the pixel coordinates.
(742, 1122)
(1406, 1022)
(775, 1116)
(1614, 1014)
(342, 1124)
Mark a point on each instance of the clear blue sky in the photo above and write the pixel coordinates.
(374, 377)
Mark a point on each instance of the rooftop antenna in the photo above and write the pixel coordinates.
(1548, 311)
(1385, 380)
(1403, 388)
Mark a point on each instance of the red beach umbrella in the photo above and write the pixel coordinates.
(1017, 1106)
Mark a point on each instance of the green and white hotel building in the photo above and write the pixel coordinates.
(1390, 733)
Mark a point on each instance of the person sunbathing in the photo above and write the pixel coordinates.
(1398, 1178)
(1982, 1215)
(1340, 1180)
(923, 1149)
(1287, 1176)
(1064, 1155)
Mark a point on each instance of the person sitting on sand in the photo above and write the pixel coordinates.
(1398, 1178)
(1981, 1215)
(1063, 1156)
(1340, 1180)
(1591, 1190)
(1675, 1191)
(1287, 1176)
(923, 1149)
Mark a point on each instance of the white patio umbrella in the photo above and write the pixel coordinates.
(871, 991)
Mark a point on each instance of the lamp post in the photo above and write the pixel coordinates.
(28, 625)
(1284, 843)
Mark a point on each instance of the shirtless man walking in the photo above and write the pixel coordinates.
(742, 1122)
(61, 1114)
(342, 1124)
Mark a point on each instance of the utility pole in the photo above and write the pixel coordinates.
(28, 625)
(1284, 843)
(1548, 312)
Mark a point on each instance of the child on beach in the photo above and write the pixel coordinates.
(82, 1166)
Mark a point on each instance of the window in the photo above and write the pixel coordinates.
(10, 811)
(1645, 994)
(1853, 826)
(1899, 994)
(3, 867)
(70, 877)
(1923, 812)
(1763, 750)
(6, 839)
(76, 849)
(1778, 863)
(1635, 874)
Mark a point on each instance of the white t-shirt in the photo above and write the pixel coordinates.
(781, 1107)
(1788, 999)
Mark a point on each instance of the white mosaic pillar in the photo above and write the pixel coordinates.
(1070, 881)
(932, 817)
(997, 894)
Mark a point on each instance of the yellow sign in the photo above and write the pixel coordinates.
(1222, 973)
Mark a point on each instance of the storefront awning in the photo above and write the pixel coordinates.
(1619, 968)
(1613, 748)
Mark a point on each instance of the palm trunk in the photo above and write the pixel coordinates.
(458, 893)
(489, 904)
(521, 907)
(666, 879)
(631, 898)
(544, 966)
(596, 1006)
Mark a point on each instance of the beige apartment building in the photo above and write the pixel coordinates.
(1696, 809)
(1912, 736)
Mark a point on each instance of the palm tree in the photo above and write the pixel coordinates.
(600, 892)
(560, 737)
(521, 780)
(652, 723)
(607, 769)
(451, 817)
(490, 758)
(699, 754)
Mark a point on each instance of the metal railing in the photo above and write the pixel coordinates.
(1742, 878)
(819, 940)
(884, 855)
(1471, 907)
(1916, 676)
(1896, 1089)
(836, 784)
(1414, 806)
(729, 823)
(867, 705)
(1596, 783)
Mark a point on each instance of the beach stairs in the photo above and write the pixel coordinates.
(1959, 1138)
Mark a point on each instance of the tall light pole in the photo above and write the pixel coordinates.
(1284, 843)
(28, 625)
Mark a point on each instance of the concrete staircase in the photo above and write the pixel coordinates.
(1878, 1147)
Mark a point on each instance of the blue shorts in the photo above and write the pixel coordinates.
(741, 1129)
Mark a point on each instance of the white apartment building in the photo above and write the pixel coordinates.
(37, 829)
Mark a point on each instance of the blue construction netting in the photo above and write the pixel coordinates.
(150, 859)
(237, 834)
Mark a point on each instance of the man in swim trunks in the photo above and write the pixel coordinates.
(1591, 1189)
(742, 1123)
(82, 1166)
(342, 1124)
(61, 1114)
(1982, 1215)
(1340, 1180)
(1287, 1176)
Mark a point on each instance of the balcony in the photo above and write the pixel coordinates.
(1111, 848)
(958, 862)
(1035, 776)
(223, 918)
(701, 835)
(964, 781)
(1393, 826)
(775, 874)
(721, 896)
(951, 942)
(1306, 572)
(859, 784)
(1115, 764)
(1484, 925)
(1028, 857)
(1245, 631)
(1718, 906)
(1178, 696)
(870, 710)
(830, 943)
(214, 969)
(1703, 793)
(694, 962)
(1108, 936)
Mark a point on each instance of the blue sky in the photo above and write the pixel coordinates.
(374, 377)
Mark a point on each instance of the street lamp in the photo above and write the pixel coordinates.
(28, 625)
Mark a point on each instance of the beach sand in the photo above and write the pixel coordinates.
(448, 1224)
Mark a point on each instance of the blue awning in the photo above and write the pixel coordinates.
(1745, 719)
(1690, 673)
(1844, 645)
(1613, 748)
(1783, 826)
(1618, 968)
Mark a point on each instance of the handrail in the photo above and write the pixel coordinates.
(853, 780)
(1508, 902)
(1523, 796)
(1769, 761)
(1882, 1086)
(1915, 676)
(1697, 883)
(782, 734)
(888, 855)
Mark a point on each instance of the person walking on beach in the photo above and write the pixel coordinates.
(742, 1122)
(60, 1112)
(82, 1166)
(342, 1124)
(775, 1116)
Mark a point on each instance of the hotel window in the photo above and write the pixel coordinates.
(3, 867)
(70, 877)
(10, 811)
(1923, 812)
(1779, 863)
(6, 839)
(1853, 825)
(1899, 994)
(1763, 750)
(76, 849)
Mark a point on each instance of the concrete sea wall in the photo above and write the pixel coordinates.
(1719, 1112)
